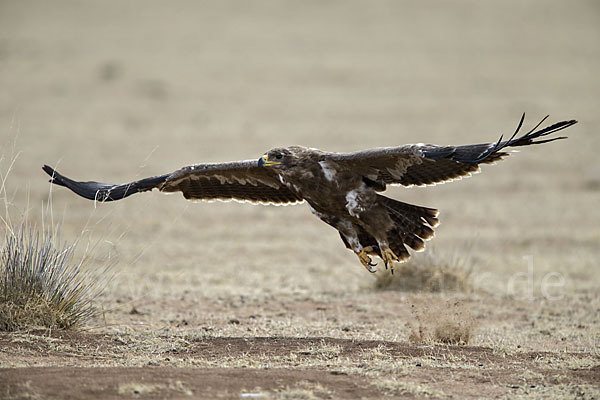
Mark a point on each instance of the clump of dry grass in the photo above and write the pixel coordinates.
(392, 386)
(448, 323)
(429, 272)
(41, 286)
(302, 390)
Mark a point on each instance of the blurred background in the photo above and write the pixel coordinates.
(113, 91)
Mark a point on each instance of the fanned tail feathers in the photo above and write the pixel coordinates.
(413, 226)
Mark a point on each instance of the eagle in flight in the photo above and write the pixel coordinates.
(342, 189)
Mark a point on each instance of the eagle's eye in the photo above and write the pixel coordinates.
(278, 156)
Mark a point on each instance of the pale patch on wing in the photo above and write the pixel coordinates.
(328, 171)
(225, 179)
(269, 183)
(172, 183)
(402, 166)
(291, 186)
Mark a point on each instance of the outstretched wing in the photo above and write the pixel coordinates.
(243, 181)
(426, 164)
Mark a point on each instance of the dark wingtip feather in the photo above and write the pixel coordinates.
(526, 139)
(49, 171)
(102, 191)
(55, 177)
(89, 190)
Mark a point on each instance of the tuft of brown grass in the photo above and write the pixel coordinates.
(448, 323)
(430, 272)
(41, 286)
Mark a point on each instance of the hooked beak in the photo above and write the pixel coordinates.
(264, 162)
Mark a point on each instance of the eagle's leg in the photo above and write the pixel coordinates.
(365, 259)
(355, 240)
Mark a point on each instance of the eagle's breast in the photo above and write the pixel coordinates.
(328, 187)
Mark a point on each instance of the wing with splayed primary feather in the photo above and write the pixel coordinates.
(427, 164)
(243, 181)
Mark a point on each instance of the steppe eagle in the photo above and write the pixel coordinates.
(342, 189)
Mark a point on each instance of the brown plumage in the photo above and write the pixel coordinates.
(340, 188)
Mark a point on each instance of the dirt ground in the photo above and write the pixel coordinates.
(229, 300)
(230, 367)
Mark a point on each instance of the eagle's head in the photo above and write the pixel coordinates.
(279, 158)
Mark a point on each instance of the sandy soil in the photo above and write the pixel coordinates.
(225, 299)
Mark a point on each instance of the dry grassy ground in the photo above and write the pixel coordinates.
(223, 299)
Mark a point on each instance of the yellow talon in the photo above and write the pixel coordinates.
(365, 259)
(389, 257)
